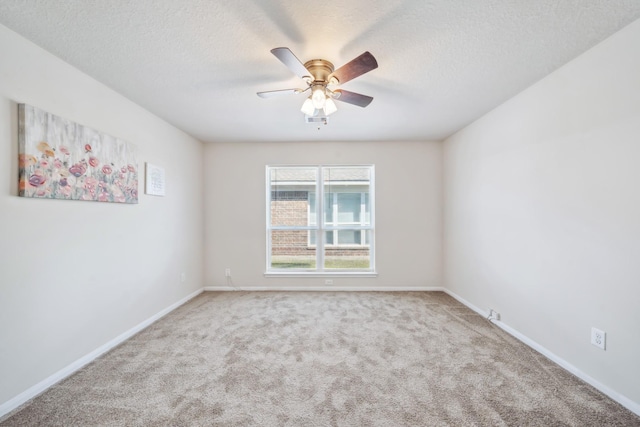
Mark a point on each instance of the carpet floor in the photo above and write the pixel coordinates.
(322, 359)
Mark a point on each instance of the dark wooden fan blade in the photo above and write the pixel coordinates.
(272, 93)
(291, 61)
(356, 67)
(352, 98)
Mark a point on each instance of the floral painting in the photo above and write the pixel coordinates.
(60, 159)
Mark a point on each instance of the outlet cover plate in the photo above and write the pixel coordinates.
(598, 338)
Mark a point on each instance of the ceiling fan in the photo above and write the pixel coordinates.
(322, 80)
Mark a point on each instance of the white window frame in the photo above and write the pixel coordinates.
(321, 227)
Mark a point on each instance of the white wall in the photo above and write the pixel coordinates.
(75, 275)
(542, 212)
(408, 210)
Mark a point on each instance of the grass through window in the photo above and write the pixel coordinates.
(355, 262)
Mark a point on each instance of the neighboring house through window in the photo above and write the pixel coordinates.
(320, 219)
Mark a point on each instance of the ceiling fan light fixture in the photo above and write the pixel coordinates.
(329, 106)
(318, 97)
(308, 107)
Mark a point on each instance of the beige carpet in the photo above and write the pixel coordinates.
(322, 359)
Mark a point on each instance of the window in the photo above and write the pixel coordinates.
(320, 219)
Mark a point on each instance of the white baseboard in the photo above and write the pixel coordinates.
(327, 288)
(621, 399)
(32, 392)
(465, 302)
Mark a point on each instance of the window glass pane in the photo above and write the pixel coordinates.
(349, 258)
(347, 185)
(312, 237)
(367, 209)
(290, 250)
(312, 208)
(349, 208)
(349, 237)
(329, 237)
(290, 198)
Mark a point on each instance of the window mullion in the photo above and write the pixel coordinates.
(268, 215)
(362, 218)
(320, 219)
(334, 209)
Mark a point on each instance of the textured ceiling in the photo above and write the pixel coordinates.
(199, 63)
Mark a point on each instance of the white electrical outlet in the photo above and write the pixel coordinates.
(227, 272)
(328, 281)
(598, 338)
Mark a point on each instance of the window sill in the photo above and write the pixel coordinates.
(320, 274)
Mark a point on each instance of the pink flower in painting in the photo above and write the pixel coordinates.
(118, 195)
(124, 169)
(93, 161)
(90, 183)
(64, 150)
(106, 169)
(77, 170)
(44, 163)
(131, 168)
(57, 163)
(65, 191)
(103, 197)
(36, 180)
(87, 148)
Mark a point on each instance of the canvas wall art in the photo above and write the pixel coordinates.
(60, 159)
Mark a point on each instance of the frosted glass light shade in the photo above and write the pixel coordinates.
(329, 107)
(318, 97)
(307, 107)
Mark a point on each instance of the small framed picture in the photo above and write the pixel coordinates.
(154, 184)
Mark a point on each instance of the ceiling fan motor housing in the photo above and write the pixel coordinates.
(320, 70)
